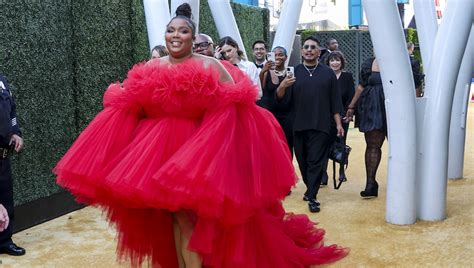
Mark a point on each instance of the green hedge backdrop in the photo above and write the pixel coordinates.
(59, 57)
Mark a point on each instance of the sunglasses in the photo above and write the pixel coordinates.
(202, 45)
(310, 47)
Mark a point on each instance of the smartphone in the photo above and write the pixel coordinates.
(271, 56)
(290, 71)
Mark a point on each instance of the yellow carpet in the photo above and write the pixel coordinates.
(83, 238)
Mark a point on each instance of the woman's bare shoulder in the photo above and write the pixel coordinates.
(211, 62)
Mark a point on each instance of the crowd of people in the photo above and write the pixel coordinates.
(192, 153)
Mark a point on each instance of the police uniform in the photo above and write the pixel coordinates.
(8, 127)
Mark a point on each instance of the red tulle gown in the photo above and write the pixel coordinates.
(175, 139)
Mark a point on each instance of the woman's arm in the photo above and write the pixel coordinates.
(353, 104)
(284, 85)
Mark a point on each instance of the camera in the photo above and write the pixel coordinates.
(290, 71)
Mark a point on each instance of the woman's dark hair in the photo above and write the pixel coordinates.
(312, 38)
(282, 49)
(336, 55)
(162, 51)
(184, 12)
(260, 42)
(227, 40)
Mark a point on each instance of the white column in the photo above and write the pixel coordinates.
(225, 21)
(440, 82)
(157, 15)
(286, 28)
(427, 26)
(194, 8)
(457, 131)
(389, 43)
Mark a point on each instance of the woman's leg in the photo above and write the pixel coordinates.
(177, 242)
(373, 153)
(191, 259)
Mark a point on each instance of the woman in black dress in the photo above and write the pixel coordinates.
(371, 120)
(273, 75)
(345, 84)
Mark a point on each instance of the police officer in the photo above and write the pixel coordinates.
(10, 140)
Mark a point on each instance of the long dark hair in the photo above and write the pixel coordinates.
(227, 40)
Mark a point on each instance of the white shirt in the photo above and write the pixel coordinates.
(251, 70)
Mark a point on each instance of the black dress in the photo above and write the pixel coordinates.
(371, 105)
(280, 109)
(345, 86)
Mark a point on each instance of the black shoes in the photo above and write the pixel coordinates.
(313, 206)
(371, 190)
(13, 250)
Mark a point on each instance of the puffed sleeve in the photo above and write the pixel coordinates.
(106, 135)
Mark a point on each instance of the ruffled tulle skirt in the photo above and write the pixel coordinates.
(227, 172)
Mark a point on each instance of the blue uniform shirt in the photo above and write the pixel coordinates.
(8, 120)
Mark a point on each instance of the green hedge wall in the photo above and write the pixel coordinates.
(37, 58)
(59, 57)
(254, 24)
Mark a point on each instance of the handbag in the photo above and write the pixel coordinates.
(339, 153)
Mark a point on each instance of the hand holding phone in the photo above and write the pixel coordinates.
(290, 71)
(271, 56)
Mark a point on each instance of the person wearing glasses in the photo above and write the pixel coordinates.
(315, 100)
(260, 49)
(204, 45)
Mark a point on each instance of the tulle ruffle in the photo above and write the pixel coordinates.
(173, 139)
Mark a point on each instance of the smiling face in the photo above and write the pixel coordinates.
(179, 38)
(280, 58)
(335, 64)
(259, 52)
(203, 45)
(310, 52)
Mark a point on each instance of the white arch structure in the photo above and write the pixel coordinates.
(417, 167)
(399, 91)
(444, 63)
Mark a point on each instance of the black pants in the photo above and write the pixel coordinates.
(6, 198)
(311, 153)
(286, 123)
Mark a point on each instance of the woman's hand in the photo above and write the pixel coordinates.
(218, 53)
(288, 81)
(4, 219)
(349, 115)
(267, 66)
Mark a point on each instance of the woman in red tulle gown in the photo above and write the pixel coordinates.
(189, 170)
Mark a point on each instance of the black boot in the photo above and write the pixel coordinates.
(371, 190)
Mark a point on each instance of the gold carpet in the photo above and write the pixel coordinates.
(83, 238)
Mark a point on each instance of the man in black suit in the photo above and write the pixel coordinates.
(10, 140)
